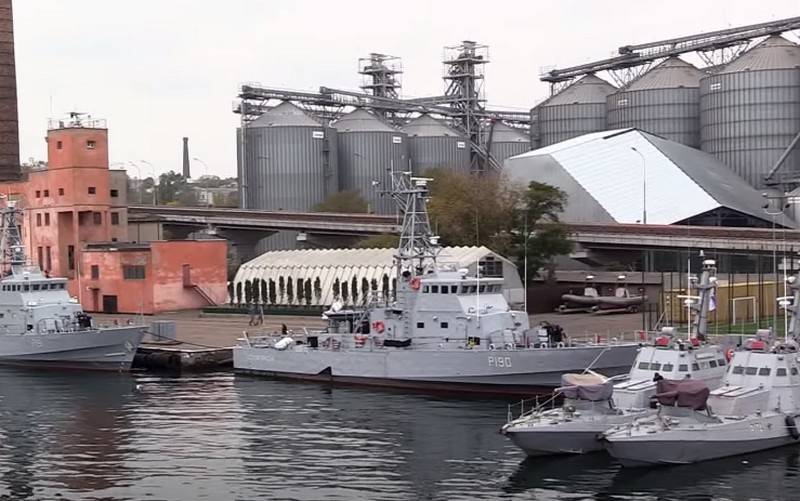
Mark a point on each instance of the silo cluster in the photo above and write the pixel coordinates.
(578, 109)
(368, 150)
(750, 109)
(664, 101)
(434, 144)
(290, 161)
(504, 141)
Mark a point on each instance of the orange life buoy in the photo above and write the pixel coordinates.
(415, 283)
(729, 354)
(378, 326)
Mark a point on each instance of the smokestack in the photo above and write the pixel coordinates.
(186, 172)
(9, 125)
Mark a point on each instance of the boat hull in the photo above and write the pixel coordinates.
(111, 349)
(700, 444)
(513, 372)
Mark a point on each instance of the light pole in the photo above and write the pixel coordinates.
(205, 165)
(784, 206)
(644, 184)
(155, 184)
(141, 181)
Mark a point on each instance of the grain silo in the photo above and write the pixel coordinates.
(750, 110)
(576, 110)
(506, 141)
(368, 149)
(432, 143)
(290, 161)
(664, 101)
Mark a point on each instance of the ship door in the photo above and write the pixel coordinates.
(109, 304)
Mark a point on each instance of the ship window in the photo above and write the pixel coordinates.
(444, 325)
(35, 287)
(644, 366)
(721, 362)
(695, 367)
(683, 368)
(751, 371)
(712, 363)
(445, 289)
(668, 367)
(26, 288)
(781, 372)
(655, 366)
(420, 325)
(738, 369)
(704, 365)
(454, 289)
(764, 371)
(794, 371)
(482, 289)
(425, 289)
(435, 289)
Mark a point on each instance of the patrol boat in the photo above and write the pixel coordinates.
(42, 326)
(593, 403)
(444, 330)
(757, 408)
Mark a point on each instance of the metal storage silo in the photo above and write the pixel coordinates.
(368, 149)
(750, 110)
(432, 143)
(578, 109)
(290, 160)
(506, 141)
(663, 101)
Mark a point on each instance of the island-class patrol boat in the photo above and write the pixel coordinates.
(444, 329)
(42, 326)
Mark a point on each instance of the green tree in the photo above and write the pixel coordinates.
(539, 226)
(343, 201)
(383, 241)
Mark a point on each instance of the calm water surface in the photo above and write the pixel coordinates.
(226, 437)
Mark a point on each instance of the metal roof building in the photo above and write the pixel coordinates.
(664, 101)
(576, 110)
(612, 176)
(372, 267)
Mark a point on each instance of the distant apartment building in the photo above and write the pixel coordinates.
(75, 225)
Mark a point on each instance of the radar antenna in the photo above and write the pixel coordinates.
(11, 248)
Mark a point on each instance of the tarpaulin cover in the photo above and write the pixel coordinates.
(683, 393)
(586, 387)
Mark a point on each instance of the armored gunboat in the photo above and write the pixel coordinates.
(42, 326)
(443, 329)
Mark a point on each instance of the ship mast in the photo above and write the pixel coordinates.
(11, 248)
(418, 245)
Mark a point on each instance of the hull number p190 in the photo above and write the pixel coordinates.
(504, 362)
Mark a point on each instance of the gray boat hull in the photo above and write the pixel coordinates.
(700, 444)
(110, 349)
(517, 372)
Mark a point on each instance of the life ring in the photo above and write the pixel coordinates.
(415, 283)
(791, 424)
(491, 346)
(360, 340)
(560, 345)
(729, 354)
(378, 326)
(543, 345)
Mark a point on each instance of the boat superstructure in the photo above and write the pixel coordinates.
(574, 426)
(757, 408)
(443, 329)
(42, 326)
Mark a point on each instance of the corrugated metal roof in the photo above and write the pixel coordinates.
(361, 120)
(588, 89)
(503, 133)
(671, 73)
(773, 53)
(285, 114)
(681, 182)
(427, 126)
(343, 264)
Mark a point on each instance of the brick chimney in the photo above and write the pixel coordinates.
(9, 126)
(186, 172)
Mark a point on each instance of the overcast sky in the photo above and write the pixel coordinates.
(159, 70)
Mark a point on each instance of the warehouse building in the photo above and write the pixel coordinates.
(628, 176)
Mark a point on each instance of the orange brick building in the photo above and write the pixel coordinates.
(75, 225)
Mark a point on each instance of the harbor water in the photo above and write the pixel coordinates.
(225, 437)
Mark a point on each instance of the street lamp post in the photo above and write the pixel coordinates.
(141, 181)
(155, 184)
(644, 184)
(205, 165)
(788, 202)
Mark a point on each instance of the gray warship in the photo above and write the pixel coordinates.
(757, 408)
(593, 403)
(443, 330)
(42, 326)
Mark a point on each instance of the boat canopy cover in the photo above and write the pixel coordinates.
(683, 393)
(586, 387)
